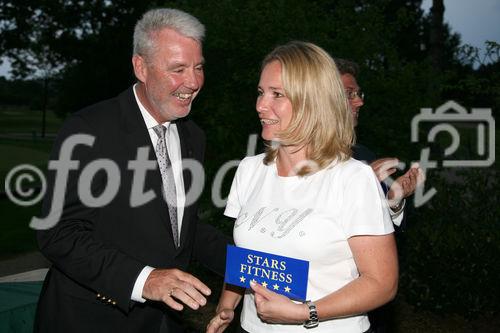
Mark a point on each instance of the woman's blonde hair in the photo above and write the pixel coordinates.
(321, 120)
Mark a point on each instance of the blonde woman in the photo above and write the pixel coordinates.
(306, 198)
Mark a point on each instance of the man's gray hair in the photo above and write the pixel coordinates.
(157, 19)
(345, 66)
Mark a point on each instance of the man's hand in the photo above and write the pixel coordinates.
(384, 167)
(173, 287)
(405, 185)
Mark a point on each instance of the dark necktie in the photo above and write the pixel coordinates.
(167, 176)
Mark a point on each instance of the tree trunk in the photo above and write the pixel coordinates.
(44, 104)
(436, 33)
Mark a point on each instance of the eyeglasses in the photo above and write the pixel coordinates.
(352, 94)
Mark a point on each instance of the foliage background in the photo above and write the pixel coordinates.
(78, 52)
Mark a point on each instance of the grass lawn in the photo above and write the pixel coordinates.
(15, 151)
(20, 120)
(14, 154)
(16, 236)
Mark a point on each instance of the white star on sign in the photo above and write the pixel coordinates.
(242, 279)
(264, 284)
(276, 287)
(287, 289)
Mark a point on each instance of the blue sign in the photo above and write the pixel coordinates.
(283, 275)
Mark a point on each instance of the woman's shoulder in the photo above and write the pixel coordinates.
(350, 166)
(253, 162)
(251, 168)
(349, 172)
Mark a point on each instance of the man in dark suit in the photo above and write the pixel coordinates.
(404, 185)
(119, 264)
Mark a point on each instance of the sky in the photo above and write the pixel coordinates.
(476, 21)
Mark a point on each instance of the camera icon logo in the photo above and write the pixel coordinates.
(451, 112)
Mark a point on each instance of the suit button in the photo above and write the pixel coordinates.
(98, 295)
(114, 303)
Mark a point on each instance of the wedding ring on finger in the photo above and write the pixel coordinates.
(171, 292)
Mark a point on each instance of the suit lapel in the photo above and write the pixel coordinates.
(186, 153)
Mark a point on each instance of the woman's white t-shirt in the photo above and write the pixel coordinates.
(309, 218)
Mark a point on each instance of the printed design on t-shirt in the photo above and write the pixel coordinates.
(280, 221)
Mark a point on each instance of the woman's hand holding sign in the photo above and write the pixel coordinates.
(276, 308)
(221, 321)
(231, 296)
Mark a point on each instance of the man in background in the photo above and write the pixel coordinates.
(403, 186)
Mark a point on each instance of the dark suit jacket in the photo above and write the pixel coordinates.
(362, 153)
(380, 317)
(99, 252)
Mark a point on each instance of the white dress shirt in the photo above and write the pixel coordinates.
(174, 153)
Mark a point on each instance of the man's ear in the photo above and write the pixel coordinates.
(140, 68)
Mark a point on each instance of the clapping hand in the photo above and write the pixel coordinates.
(405, 185)
(384, 167)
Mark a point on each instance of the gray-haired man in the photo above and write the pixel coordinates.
(122, 267)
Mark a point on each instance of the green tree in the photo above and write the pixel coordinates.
(404, 68)
(89, 40)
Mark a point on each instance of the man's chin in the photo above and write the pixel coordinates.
(178, 112)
